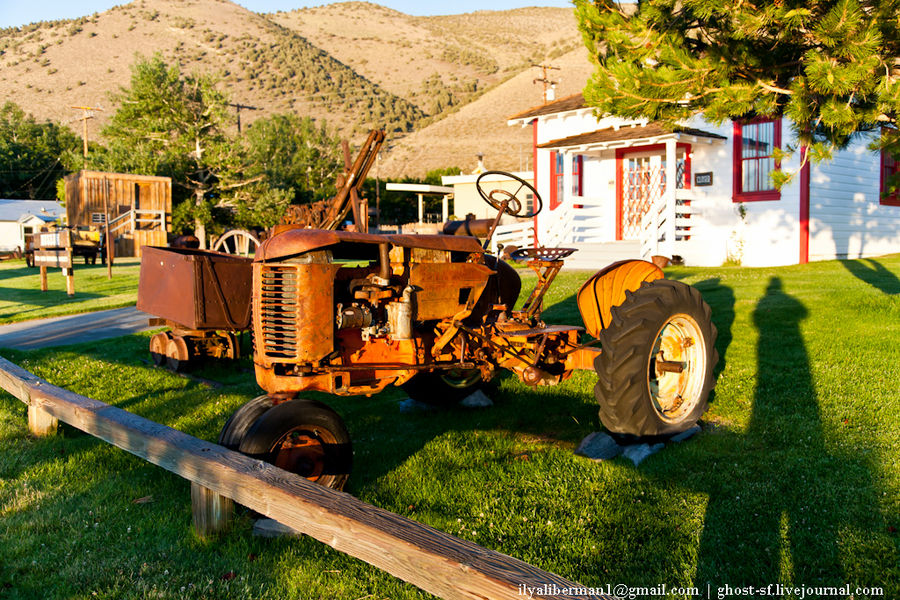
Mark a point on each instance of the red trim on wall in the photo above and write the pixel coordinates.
(534, 169)
(620, 153)
(804, 206)
(736, 173)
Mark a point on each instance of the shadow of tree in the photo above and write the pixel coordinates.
(875, 274)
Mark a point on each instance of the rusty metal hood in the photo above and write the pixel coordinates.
(298, 241)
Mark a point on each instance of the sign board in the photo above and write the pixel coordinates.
(56, 259)
(701, 179)
(53, 239)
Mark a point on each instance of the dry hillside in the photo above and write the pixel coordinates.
(49, 67)
(480, 126)
(451, 79)
(436, 62)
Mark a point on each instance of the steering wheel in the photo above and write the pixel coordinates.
(515, 206)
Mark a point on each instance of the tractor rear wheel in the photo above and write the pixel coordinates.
(656, 368)
(443, 388)
(304, 437)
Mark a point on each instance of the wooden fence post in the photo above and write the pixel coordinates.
(212, 512)
(41, 423)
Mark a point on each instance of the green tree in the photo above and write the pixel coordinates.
(31, 154)
(173, 124)
(295, 155)
(831, 67)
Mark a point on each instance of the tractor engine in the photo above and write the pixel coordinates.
(362, 312)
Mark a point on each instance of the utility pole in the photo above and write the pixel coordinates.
(87, 112)
(240, 107)
(546, 81)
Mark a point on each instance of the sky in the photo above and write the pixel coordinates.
(14, 13)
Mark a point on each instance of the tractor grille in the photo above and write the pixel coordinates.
(278, 302)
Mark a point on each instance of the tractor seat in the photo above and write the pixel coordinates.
(543, 254)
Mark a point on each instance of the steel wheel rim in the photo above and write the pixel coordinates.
(460, 379)
(676, 395)
(302, 450)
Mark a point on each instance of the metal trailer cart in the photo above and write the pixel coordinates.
(202, 296)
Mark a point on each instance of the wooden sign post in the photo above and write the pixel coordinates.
(54, 249)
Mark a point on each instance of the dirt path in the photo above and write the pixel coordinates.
(73, 329)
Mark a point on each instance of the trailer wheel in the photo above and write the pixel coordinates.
(444, 388)
(304, 437)
(177, 353)
(241, 420)
(158, 344)
(656, 368)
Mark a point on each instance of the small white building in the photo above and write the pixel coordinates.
(19, 218)
(605, 184)
(467, 200)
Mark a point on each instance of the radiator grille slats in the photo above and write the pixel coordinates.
(278, 302)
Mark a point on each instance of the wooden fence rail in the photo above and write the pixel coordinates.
(434, 561)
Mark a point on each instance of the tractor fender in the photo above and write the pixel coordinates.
(606, 290)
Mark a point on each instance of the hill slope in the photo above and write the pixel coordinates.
(436, 62)
(454, 79)
(480, 126)
(52, 66)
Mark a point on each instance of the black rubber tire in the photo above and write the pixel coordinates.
(241, 420)
(626, 366)
(313, 420)
(436, 388)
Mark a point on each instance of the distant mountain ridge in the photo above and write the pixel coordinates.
(358, 65)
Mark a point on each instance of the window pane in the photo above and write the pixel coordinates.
(750, 175)
(748, 141)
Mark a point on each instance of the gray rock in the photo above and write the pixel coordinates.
(686, 434)
(638, 452)
(409, 406)
(270, 528)
(599, 446)
(476, 399)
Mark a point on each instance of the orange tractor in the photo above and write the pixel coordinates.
(351, 313)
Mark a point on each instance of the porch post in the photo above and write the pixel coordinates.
(420, 209)
(669, 198)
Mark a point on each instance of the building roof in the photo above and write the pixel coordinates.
(419, 188)
(573, 102)
(625, 134)
(12, 210)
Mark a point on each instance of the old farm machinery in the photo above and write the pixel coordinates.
(350, 313)
(204, 297)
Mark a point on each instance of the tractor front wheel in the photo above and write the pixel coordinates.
(304, 437)
(242, 419)
(656, 368)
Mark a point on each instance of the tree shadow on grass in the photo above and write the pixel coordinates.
(875, 274)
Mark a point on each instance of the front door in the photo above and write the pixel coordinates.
(643, 183)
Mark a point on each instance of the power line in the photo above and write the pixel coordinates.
(548, 83)
(87, 112)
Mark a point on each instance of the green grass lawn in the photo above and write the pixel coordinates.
(21, 297)
(793, 480)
